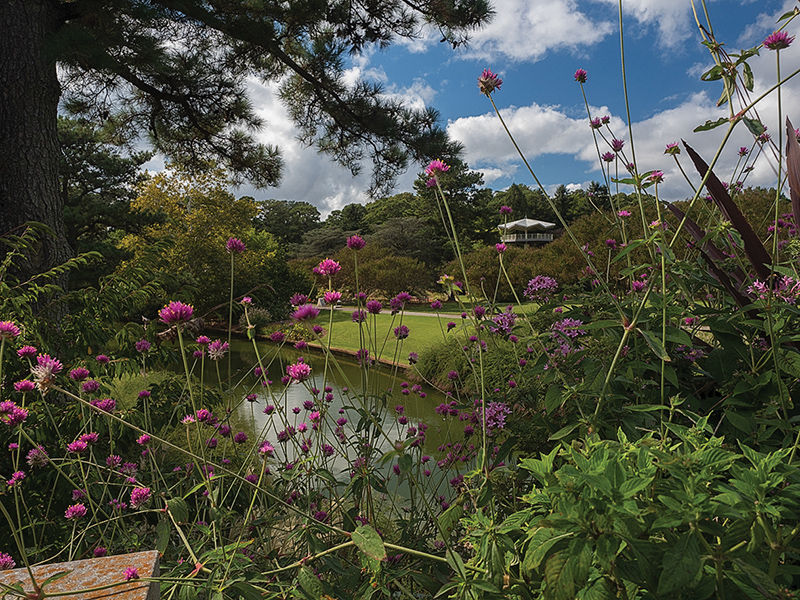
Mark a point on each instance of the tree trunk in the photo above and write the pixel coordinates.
(29, 151)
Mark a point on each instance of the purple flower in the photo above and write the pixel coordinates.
(16, 478)
(26, 385)
(142, 346)
(217, 349)
(37, 457)
(102, 359)
(743, 151)
(139, 496)
(374, 307)
(608, 157)
(27, 352)
(611, 244)
(298, 371)
(580, 76)
(277, 337)
(298, 299)
(616, 145)
(355, 242)
(332, 297)
(778, 40)
(672, 148)
(143, 439)
(79, 374)
(235, 245)
(11, 414)
(540, 288)
(78, 446)
(500, 248)
(240, 437)
(246, 300)
(401, 332)
(435, 167)
(90, 386)
(106, 404)
(100, 551)
(305, 312)
(656, 176)
(506, 210)
(131, 573)
(175, 312)
(8, 330)
(496, 413)
(6, 562)
(327, 267)
(76, 511)
(266, 448)
(45, 371)
(623, 213)
(358, 316)
(595, 123)
(89, 438)
(489, 82)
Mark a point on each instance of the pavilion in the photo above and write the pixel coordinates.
(526, 231)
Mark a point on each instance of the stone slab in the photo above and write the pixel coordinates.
(92, 573)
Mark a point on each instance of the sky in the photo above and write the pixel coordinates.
(536, 46)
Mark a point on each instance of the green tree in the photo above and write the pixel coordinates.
(288, 221)
(413, 237)
(177, 71)
(349, 218)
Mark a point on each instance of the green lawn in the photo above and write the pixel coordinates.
(423, 332)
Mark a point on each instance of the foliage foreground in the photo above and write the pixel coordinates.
(634, 436)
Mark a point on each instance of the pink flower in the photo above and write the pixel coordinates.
(608, 157)
(79, 374)
(500, 247)
(266, 448)
(298, 371)
(131, 573)
(656, 176)
(102, 359)
(332, 297)
(305, 312)
(15, 478)
(176, 312)
(327, 267)
(26, 385)
(90, 386)
(778, 40)
(374, 307)
(217, 349)
(355, 242)
(435, 167)
(8, 330)
(235, 245)
(595, 123)
(672, 148)
(506, 210)
(616, 145)
(106, 404)
(743, 151)
(142, 346)
(139, 496)
(143, 439)
(27, 352)
(78, 446)
(11, 414)
(203, 340)
(624, 213)
(45, 371)
(580, 76)
(76, 511)
(489, 82)
(100, 551)
(6, 562)
(246, 300)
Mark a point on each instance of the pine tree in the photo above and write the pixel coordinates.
(177, 71)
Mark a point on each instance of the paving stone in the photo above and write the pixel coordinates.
(92, 573)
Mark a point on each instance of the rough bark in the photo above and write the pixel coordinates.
(29, 152)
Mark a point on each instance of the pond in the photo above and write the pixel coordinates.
(338, 385)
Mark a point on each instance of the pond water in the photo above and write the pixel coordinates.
(341, 382)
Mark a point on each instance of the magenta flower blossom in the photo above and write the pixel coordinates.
(489, 82)
(79, 374)
(672, 148)
(27, 352)
(778, 40)
(401, 332)
(327, 267)
(16, 478)
(235, 245)
(265, 448)
(743, 151)
(540, 288)
(611, 244)
(298, 299)
(496, 413)
(355, 242)
(358, 316)
(656, 176)
(8, 330)
(595, 123)
(306, 312)
(90, 386)
(11, 414)
(78, 446)
(436, 167)
(106, 404)
(374, 307)
(90, 438)
(240, 437)
(131, 573)
(616, 145)
(623, 213)
(6, 562)
(139, 496)
(298, 371)
(175, 312)
(506, 210)
(277, 337)
(26, 385)
(332, 297)
(143, 439)
(217, 349)
(608, 157)
(37, 457)
(102, 359)
(500, 247)
(580, 76)
(45, 371)
(76, 511)
(142, 346)
(100, 551)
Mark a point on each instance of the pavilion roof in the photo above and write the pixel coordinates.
(526, 224)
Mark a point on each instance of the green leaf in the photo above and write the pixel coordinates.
(754, 125)
(708, 125)
(553, 398)
(789, 14)
(246, 590)
(449, 518)
(564, 431)
(713, 74)
(179, 509)
(541, 541)
(681, 566)
(310, 583)
(655, 345)
(163, 530)
(55, 577)
(747, 76)
(369, 542)
(405, 463)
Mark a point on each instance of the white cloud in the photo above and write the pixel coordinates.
(525, 30)
(671, 17)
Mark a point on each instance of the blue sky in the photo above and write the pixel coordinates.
(536, 46)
